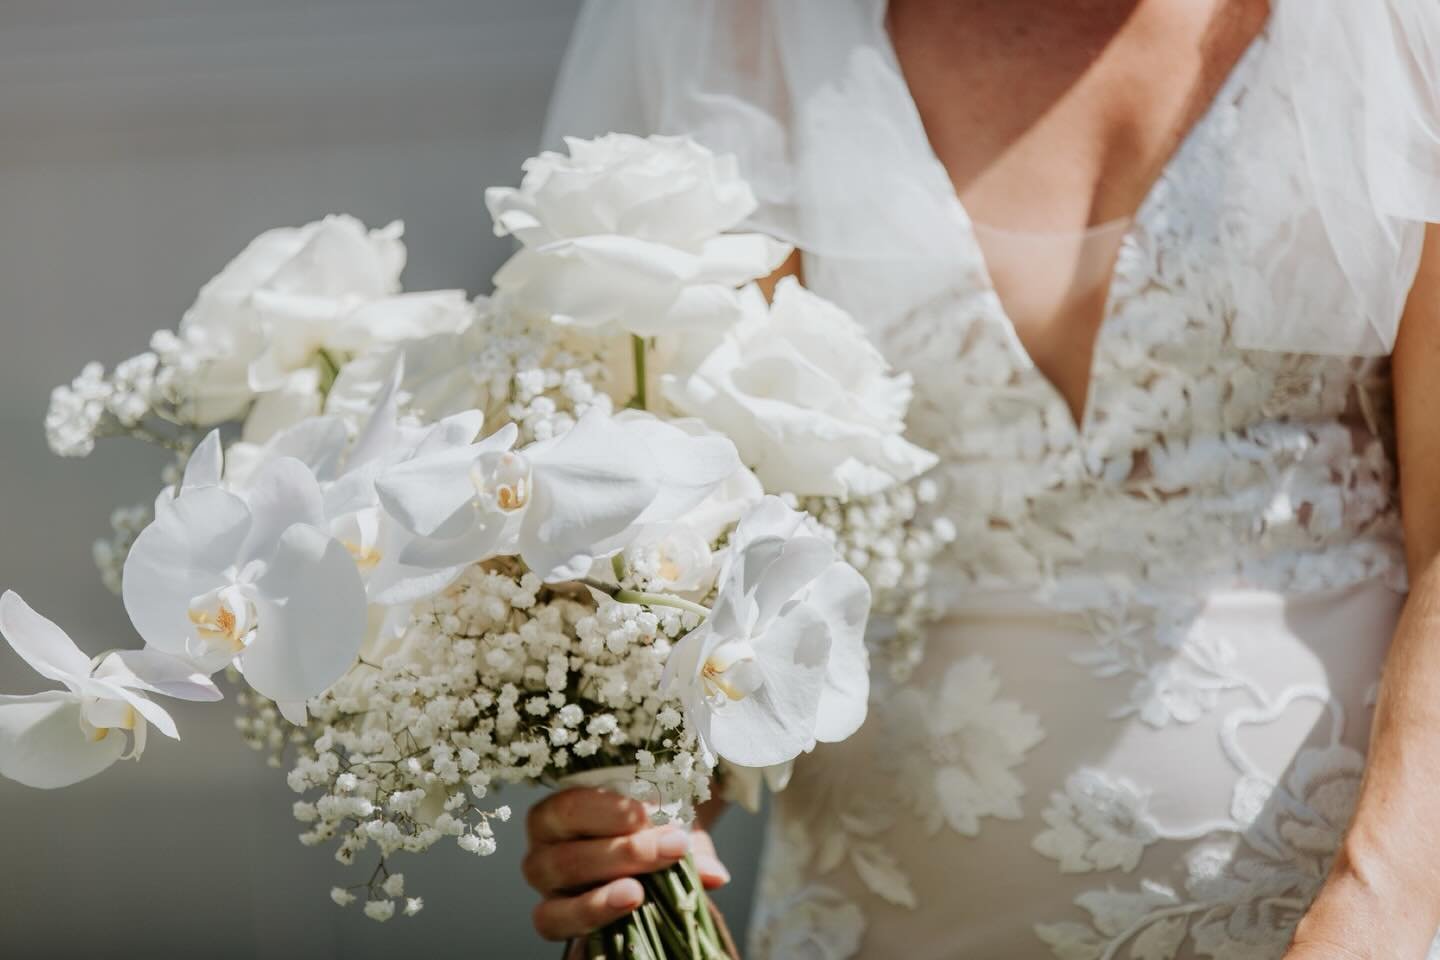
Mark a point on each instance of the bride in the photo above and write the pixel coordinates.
(1161, 272)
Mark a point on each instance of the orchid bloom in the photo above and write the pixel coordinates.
(348, 471)
(60, 737)
(780, 663)
(255, 580)
(558, 504)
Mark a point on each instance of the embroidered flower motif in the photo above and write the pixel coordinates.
(1246, 885)
(794, 918)
(957, 750)
(1098, 823)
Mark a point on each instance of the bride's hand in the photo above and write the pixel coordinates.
(586, 848)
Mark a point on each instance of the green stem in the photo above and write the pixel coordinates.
(692, 877)
(660, 600)
(624, 595)
(673, 923)
(140, 432)
(637, 349)
(329, 370)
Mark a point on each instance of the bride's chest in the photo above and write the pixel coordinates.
(1167, 378)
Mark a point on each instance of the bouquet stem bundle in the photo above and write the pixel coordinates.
(677, 921)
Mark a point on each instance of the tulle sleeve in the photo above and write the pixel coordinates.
(1336, 173)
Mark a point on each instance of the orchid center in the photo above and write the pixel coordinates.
(504, 484)
(359, 534)
(98, 717)
(731, 672)
(367, 557)
(224, 620)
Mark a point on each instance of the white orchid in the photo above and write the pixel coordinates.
(808, 400)
(60, 737)
(780, 662)
(254, 580)
(346, 470)
(671, 558)
(353, 509)
(558, 504)
(675, 555)
(628, 234)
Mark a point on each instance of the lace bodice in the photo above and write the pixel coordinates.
(1140, 732)
(1195, 462)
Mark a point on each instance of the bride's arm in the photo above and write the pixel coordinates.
(1382, 898)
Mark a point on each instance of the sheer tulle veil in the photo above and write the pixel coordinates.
(1336, 172)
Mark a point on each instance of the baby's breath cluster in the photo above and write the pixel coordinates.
(547, 398)
(500, 679)
(134, 398)
(110, 552)
(889, 539)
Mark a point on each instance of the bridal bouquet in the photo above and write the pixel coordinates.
(619, 523)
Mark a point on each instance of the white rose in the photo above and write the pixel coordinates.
(809, 402)
(439, 379)
(330, 285)
(627, 234)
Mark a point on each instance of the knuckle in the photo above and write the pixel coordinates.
(531, 870)
(638, 848)
(634, 815)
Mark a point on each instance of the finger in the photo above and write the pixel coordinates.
(552, 868)
(584, 812)
(707, 863)
(566, 917)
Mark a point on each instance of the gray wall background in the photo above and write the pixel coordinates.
(142, 143)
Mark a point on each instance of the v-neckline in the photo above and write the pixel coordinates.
(1078, 427)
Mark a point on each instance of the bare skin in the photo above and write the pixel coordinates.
(1381, 897)
(1004, 87)
(586, 848)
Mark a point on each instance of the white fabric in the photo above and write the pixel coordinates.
(1341, 167)
(1140, 730)
(1337, 174)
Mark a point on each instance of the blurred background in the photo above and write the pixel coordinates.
(142, 144)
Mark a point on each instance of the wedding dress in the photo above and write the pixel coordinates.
(1139, 727)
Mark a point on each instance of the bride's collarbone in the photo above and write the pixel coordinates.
(1053, 115)
(1054, 121)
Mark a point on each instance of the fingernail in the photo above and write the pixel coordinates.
(673, 844)
(623, 896)
(711, 868)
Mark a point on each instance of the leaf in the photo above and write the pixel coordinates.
(877, 867)
(1115, 911)
(832, 850)
(1160, 940)
(1070, 941)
